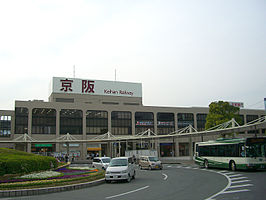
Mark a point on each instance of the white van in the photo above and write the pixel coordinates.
(101, 162)
(120, 168)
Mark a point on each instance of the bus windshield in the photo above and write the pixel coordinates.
(256, 147)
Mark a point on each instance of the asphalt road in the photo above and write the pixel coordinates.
(174, 182)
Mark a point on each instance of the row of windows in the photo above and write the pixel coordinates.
(72, 119)
(232, 150)
(43, 129)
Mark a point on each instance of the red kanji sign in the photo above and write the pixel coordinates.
(87, 86)
(66, 85)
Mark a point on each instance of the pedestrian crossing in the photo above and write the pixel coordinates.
(237, 182)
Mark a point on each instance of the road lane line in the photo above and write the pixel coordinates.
(236, 186)
(235, 175)
(229, 173)
(238, 178)
(240, 181)
(235, 191)
(223, 171)
(165, 176)
(122, 194)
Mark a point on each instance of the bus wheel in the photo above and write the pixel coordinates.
(232, 165)
(206, 164)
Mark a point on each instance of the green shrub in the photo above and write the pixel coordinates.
(18, 162)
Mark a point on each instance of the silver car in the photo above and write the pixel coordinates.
(120, 168)
(150, 162)
(101, 162)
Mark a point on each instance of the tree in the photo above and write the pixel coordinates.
(220, 112)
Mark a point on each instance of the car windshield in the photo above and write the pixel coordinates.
(118, 162)
(106, 160)
(153, 159)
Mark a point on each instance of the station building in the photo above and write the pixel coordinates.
(89, 108)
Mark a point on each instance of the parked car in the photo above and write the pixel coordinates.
(150, 162)
(120, 168)
(101, 162)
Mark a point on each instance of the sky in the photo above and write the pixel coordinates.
(186, 53)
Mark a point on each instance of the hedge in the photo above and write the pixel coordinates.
(18, 162)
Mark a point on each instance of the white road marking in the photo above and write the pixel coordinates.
(231, 176)
(223, 190)
(240, 181)
(231, 179)
(165, 176)
(236, 186)
(238, 178)
(122, 194)
(235, 191)
(229, 173)
(224, 172)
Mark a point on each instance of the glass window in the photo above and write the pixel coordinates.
(251, 118)
(201, 121)
(121, 123)
(144, 121)
(184, 120)
(5, 126)
(43, 121)
(21, 120)
(96, 122)
(242, 122)
(165, 123)
(70, 121)
(183, 149)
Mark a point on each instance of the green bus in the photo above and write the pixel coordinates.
(236, 153)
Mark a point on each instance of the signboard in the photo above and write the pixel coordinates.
(237, 104)
(163, 123)
(43, 145)
(144, 123)
(71, 145)
(95, 87)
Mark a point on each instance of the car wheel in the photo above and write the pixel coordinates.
(107, 181)
(149, 167)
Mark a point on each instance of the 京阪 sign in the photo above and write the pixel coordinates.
(96, 87)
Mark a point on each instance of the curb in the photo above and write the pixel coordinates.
(38, 191)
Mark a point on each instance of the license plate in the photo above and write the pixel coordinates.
(156, 166)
